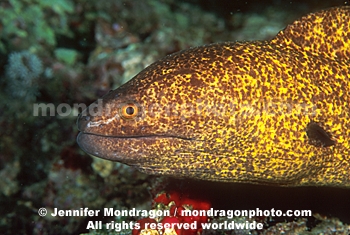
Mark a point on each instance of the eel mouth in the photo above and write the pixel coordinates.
(126, 149)
(108, 147)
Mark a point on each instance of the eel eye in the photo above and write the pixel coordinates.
(129, 111)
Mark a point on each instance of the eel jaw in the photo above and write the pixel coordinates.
(87, 143)
(130, 150)
(106, 147)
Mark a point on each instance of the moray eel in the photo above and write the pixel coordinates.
(266, 112)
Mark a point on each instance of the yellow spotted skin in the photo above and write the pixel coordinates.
(238, 112)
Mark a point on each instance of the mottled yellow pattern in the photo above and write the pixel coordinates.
(238, 112)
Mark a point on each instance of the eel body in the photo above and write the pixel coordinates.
(266, 112)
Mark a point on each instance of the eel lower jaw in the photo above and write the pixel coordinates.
(125, 149)
(106, 147)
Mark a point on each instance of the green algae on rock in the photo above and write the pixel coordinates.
(258, 112)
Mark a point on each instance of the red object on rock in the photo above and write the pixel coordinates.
(162, 198)
(176, 204)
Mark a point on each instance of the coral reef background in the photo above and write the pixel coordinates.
(65, 52)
